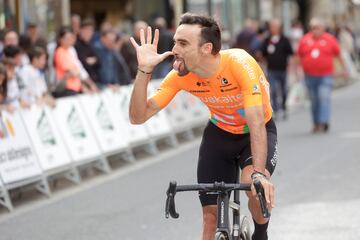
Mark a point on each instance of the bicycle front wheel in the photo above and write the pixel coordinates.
(221, 236)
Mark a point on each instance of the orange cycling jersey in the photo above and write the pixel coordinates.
(238, 83)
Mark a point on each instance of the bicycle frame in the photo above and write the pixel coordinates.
(223, 203)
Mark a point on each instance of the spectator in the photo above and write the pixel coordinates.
(166, 43)
(68, 68)
(128, 50)
(33, 34)
(11, 37)
(35, 89)
(104, 27)
(276, 50)
(3, 90)
(85, 50)
(75, 23)
(247, 36)
(113, 69)
(317, 50)
(12, 62)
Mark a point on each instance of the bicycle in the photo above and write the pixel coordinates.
(241, 226)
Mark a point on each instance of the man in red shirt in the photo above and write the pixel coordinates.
(317, 50)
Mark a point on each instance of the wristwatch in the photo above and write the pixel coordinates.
(256, 174)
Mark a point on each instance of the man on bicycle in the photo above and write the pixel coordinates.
(240, 131)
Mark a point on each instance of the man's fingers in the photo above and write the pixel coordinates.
(134, 43)
(156, 37)
(272, 196)
(148, 35)
(142, 37)
(165, 55)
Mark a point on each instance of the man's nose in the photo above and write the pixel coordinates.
(174, 49)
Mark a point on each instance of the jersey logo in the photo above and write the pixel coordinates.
(224, 81)
(256, 89)
(201, 84)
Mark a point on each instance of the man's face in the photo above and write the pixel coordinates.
(86, 33)
(40, 61)
(187, 50)
(11, 38)
(109, 40)
(317, 30)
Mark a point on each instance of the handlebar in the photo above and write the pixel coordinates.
(219, 187)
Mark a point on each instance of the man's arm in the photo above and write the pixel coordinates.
(258, 140)
(141, 109)
(258, 137)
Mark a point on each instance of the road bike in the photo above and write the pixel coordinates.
(240, 229)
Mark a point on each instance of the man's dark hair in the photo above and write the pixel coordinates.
(210, 31)
(36, 52)
(88, 22)
(11, 51)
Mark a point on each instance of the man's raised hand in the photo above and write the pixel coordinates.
(146, 52)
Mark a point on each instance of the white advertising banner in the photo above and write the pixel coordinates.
(75, 129)
(137, 133)
(106, 128)
(44, 133)
(17, 157)
(157, 125)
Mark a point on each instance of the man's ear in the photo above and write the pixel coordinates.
(207, 48)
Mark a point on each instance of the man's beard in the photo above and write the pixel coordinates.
(180, 67)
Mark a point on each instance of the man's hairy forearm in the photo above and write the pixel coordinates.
(258, 138)
(138, 101)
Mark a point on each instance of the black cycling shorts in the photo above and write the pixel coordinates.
(222, 152)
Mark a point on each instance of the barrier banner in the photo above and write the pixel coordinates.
(106, 128)
(46, 139)
(75, 129)
(137, 133)
(17, 157)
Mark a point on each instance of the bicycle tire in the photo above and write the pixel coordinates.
(245, 230)
(221, 236)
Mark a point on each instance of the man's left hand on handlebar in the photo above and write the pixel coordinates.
(267, 186)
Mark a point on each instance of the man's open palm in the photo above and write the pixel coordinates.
(146, 52)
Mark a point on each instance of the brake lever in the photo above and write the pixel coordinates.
(170, 201)
(261, 195)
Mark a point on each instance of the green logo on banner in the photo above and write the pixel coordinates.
(103, 118)
(74, 124)
(44, 130)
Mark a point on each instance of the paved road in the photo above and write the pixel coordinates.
(317, 179)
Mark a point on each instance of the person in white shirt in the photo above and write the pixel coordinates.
(35, 90)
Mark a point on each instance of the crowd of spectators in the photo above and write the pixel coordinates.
(82, 59)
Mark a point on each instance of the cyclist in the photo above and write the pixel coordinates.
(240, 131)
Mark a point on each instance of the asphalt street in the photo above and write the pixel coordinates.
(317, 190)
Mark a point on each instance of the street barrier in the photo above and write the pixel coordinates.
(19, 165)
(41, 142)
(47, 142)
(45, 137)
(78, 135)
